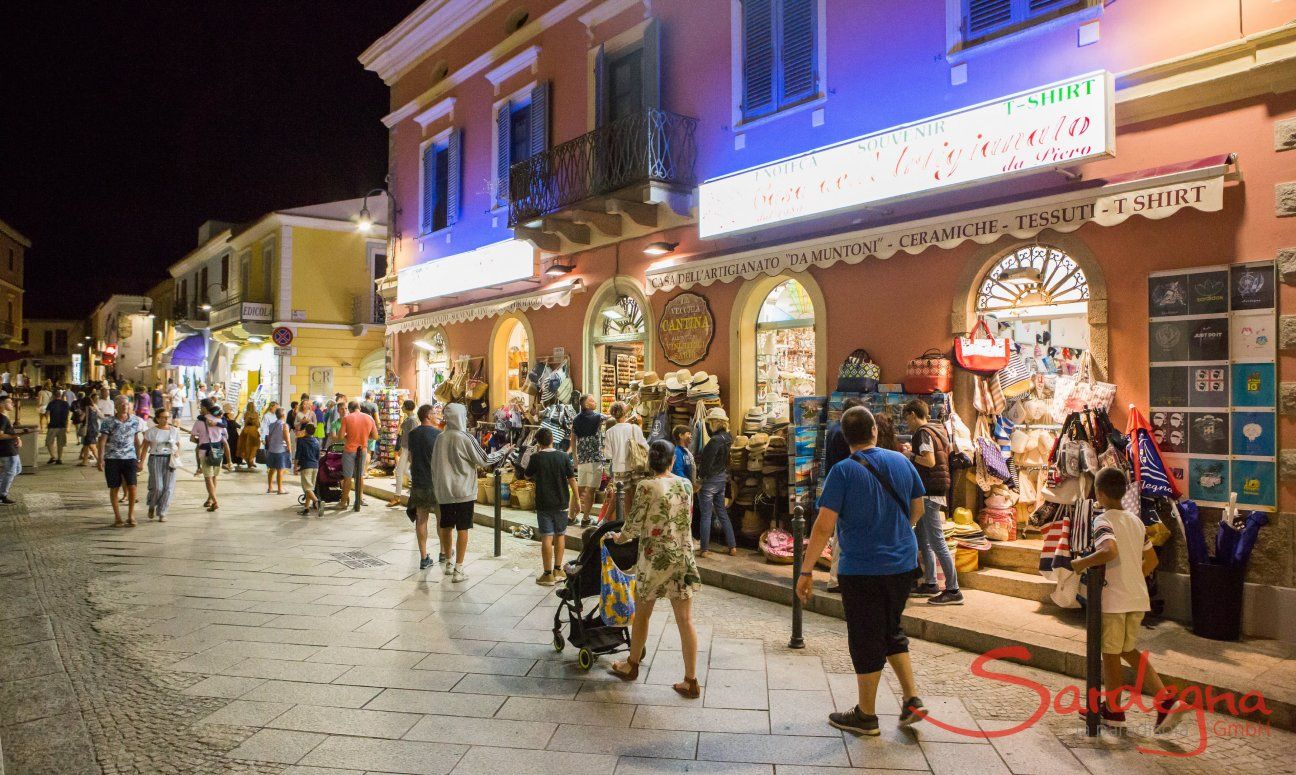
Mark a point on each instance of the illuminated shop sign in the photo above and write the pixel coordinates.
(502, 262)
(1059, 125)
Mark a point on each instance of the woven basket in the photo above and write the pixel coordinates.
(483, 487)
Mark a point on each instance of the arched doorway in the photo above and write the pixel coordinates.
(431, 364)
(780, 342)
(510, 358)
(372, 370)
(618, 339)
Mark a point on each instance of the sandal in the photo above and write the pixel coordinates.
(626, 675)
(688, 688)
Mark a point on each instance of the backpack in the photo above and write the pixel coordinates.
(858, 373)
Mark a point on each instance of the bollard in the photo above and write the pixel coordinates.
(798, 561)
(620, 501)
(1093, 647)
(359, 475)
(499, 513)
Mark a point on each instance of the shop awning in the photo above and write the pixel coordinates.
(553, 296)
(190, 351)
(1153, 193)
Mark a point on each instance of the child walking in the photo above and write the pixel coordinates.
(306, 464)
(554, 475)
(1120, 542)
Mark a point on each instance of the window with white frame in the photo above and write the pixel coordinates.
(521, 131)
(441, 173)
(780, 55)
(981, 19)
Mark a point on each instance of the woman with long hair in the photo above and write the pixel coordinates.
(161, 449)
(249, 439)
(661, 519)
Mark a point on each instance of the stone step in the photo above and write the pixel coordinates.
(1021, 555)
(1010, 583)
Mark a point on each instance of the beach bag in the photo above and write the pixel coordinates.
(931, 372)
(616, 592)
(858, 373)
(1075, 394)
(987, 398)
(638, 463)
(982, 354)
(991, 468)
(1016, 379)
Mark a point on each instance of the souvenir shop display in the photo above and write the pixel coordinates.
(389, 401)
(785, 346)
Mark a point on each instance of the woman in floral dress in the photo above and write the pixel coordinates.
(661, 519)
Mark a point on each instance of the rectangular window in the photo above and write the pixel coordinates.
(225, 272)
(521, 131)
(267, 272)
(13, 259)
(441, 181)
(26, 337)
(60, 341)
(982, 18)
(625, 84)
(780, 51)
(49, 342)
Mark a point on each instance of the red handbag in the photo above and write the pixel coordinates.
(986, 354)
(930, 372)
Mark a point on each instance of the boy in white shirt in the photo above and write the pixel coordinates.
(1120, 543)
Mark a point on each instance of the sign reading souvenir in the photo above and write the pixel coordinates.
(282, 336)
(502, 262)
(1199, 186)
(686, 329)
(1212, 381)
(1059, 125)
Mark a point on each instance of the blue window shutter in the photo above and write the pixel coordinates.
(454, 175)
(758, 57)
(600, 87)
(650, 62)
(540, 118)
(502, 146)
(429, 188)
(797, 57)
(986, 15)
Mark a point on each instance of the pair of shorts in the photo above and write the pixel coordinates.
(1120, 631)
(589, 475)
(422, 498)
(56, 435)
(118, 472)
(209, 470)
(349, 464)
(552, 523)
(307, 476)
(456, 515)
(873, 607)
(278, 461)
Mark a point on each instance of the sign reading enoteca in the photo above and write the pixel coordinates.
(1054, 126)
(495, 264)
(686, 329)
(1197, 187)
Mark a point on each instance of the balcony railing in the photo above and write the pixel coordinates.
(649, 147)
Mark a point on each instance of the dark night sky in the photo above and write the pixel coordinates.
(127, 124)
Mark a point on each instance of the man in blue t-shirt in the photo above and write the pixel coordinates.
(872, 500)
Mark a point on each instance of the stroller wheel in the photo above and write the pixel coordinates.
(585, 659)
(558, 642)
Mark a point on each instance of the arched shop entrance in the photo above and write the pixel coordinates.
(510, 358)
(780, 330)
(373, 368)
(431, 364)
(617, 340)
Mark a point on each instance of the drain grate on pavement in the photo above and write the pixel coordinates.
(355, 560)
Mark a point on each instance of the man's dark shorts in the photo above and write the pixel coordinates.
(119, 472)
(874, 605)
(457, 515)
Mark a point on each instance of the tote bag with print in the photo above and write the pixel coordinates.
(980, 352)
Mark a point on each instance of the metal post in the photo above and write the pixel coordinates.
(1093, 647)
(359, 475)
(499, 513)
(798, 561)
(620, 501)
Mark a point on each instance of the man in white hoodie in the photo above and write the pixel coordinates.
(456, 456)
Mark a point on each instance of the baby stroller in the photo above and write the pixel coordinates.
(328, 482)
(588, 632)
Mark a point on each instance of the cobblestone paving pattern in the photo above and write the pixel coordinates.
(235, 643)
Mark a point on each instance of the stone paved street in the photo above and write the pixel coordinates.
(237, 642)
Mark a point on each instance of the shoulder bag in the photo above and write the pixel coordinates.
(858, 373)
(982, 354)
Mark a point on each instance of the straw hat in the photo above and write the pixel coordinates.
(719, 413)
(673, 382)
(649, 378)
(963, 516)
(698, 378)
(739, 442)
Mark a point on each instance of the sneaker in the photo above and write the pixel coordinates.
(447, 567)
(150, 512)
(913, 712)
(305, 512)
(458, 576)
(948, 597)
(1112, 718)
(1169, 714)
(560, 575)
(924, 590)
(855, 720)
(440, 558)
(426, 562)
(6, 500)
(545, 579)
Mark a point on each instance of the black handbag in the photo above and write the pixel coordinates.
(214, 454)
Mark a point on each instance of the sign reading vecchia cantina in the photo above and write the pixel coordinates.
(686, 329)
(1058, 125)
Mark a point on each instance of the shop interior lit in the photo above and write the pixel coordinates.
(620, 335)
(785, 346)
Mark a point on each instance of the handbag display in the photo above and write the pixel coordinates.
(931, 372)
(1075, 394)
(988, 398)
(858, 373)
(1017, 378)
(982, 354)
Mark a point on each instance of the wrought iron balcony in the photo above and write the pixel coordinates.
(648, 147)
